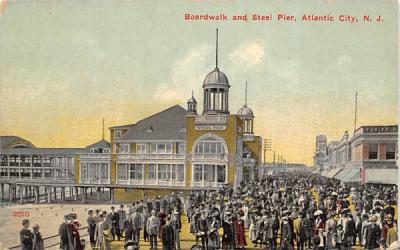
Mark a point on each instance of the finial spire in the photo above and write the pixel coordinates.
(192, 93)
(216, 51)
(245, 96)
(103, 130)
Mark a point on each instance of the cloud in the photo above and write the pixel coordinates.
(249, 54)
(3, 5)
(187, 73)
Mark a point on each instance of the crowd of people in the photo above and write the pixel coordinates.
(285, 211)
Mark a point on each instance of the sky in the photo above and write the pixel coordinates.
(66, 65)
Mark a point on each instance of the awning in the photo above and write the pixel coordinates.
(349, 175)
(333, 172)
(381, 175)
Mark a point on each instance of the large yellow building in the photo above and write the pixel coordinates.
(178, 149)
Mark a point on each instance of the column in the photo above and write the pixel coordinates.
(111, 195)
(10, 188)
(76, 193)
(48, 194)
(156, 174)
(83, 194)
(2, 191)
(98, 193)
(21, 194)
(36, 191)
(62, 194)
(31, 165)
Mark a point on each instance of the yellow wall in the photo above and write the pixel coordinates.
(230, 135)
(113, 168)
(256, 149)
(134, 194)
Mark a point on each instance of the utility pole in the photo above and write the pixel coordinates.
(267, 147)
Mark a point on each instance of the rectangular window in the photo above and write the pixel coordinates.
(161, 149)
(153, 148)
(390, 151)
(104, 171)
(117, 134)
(152, 171)
(198, 173)
(123, 171)
(221, 173)
(136, 171)
(180, 172)
(209, 173)
(84, 171)
(141, 148)
(169, 148)
(181, 148)
(373, 152)
(124, 148)
(164, 172)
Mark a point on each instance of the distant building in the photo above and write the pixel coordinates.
(367, 157)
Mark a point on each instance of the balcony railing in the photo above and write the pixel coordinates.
(211, 119)
(206, 184)
(151, 157)
(96, 156)
(209, 157)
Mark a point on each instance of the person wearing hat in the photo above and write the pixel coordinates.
(240, 230)
(26, 236)
(114, 219)
(65, 232)
(122, 217)
(167, 236)
(37, 238)
(389, 232)
(213, 235)
(153, 225)
(202, 228)
(286, 233)
(372, 234)
(176, 226)
(228, 240)
(91, 227)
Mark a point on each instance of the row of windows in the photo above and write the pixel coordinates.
(161, 171)
(373, 151)
(153, 148)
(209, 173)
(94, 171)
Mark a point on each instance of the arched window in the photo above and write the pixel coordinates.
(210, 144)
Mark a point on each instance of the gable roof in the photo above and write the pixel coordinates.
(168, 124)
(100, 144)
(10, 141)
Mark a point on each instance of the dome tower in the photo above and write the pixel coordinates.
(216, 90)
(247, 116)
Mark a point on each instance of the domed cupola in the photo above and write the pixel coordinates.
(247, 115)
(192, 106)
(216, 90)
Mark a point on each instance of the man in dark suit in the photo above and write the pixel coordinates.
(168, 235)
(65, 232)
(128, 227)
(26, 236)
(114, 218)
